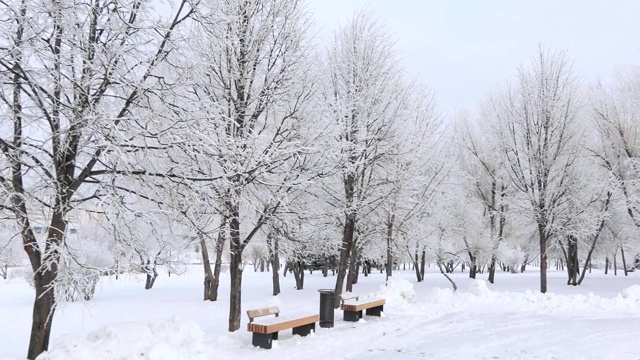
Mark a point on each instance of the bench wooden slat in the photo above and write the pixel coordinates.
(271, 310)
(348, 296)
(269, 326)
(362, 304)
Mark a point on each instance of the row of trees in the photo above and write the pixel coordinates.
(145, 129)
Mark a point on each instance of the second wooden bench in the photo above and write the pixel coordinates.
(352, 307)
(266, 330)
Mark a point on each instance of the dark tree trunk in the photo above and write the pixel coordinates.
(422, 263)
(152, 274)
(615, 263)
(606, 265)
(274, 258)
(492, 269)
(298, 274)
(44, 277)
(235, 266)
(523, 268)
(325, 267)
(389, 266)
(542, 235)
(208, 273)
(624, 261)
(473, 266)
(352, 276)
(416, 267)
(217, 267)
(43, 310)
(453, 283)
(345, 254)
(573, 265)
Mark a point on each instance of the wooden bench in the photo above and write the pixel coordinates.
(266, 330)
(352, 307)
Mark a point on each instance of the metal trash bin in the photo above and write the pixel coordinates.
(327, 297)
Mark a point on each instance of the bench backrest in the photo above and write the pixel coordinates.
(271, 310)
(348, 296)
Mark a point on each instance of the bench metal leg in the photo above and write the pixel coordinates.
(304, 330)
(375, 311)
(264, 340)
(352, 315)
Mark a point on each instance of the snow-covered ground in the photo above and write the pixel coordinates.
(506, 320)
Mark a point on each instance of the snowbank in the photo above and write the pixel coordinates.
(397, 292)
(631, 293)
(171, 339)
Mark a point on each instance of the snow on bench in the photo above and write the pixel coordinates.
(352, 307)
(266, 330)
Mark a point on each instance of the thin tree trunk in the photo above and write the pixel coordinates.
(217, 267)
(298, 274)
(416, 267)
(543, 258)
(274, 258)
(624, 262)
(453, 283)
(389, 266)
(615, 263)
(422, 263)
(208, 273)
(492, 269)
(523, 268)
(352, 276)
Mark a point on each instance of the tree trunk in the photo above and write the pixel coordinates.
(416, 267)
(45, 275)
(152, 275)
(523, 268)
(208, 274)
(389, 266)
(422, 263)
(573, 265)
(217, 267)
(624, 262)
(492, 269)
(453, 283)
(274, 259)
(354, 265)
(345, 254)
(543, 258)
(43, 310)
(235, 266)
(606, 265)
(298, 274)
(615, 263)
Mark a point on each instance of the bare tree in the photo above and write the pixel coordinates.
(541, 140)
(254, 86)
(489, 181)
(363, 94)
(72, 74)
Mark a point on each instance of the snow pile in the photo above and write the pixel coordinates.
(631, 293)
(479, 288)
(162, 340)
(397, 292)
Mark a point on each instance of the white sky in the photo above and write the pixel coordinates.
(463, 48)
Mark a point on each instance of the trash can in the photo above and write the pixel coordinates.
(326, 307)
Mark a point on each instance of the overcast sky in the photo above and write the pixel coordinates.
(464, 48)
